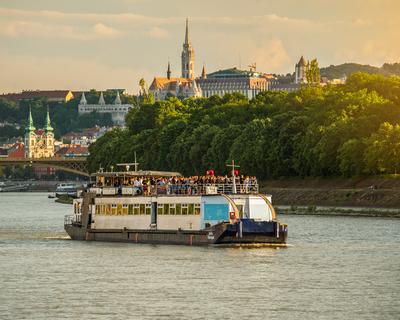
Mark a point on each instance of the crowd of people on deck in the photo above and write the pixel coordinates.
(183, 185)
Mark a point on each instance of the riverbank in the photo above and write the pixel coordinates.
(372, 196)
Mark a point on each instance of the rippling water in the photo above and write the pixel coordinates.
(336, 268)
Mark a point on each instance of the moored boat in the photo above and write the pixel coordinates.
(166, 208)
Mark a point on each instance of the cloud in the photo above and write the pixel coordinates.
(158, 33)
(270, 55)
(102, 30)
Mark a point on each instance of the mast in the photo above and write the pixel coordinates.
(233, 165)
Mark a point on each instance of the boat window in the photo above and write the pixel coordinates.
(160, 208)
(119, 209)
(172, 208)
(197, 208)
(136, 209)
(184, 208)
(125, 209)
(148, 208)
(130, 209)
(141, 208)
(97, 209)
(191, 208)
(178, 208)
(113, 209)
(166, 208)
(108, 209)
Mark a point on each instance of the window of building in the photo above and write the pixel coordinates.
(172, 208)
(125, 209)
(130, 209)
(119, 209)
(197, 209)
(113, 209)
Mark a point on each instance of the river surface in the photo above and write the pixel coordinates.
(336, 268)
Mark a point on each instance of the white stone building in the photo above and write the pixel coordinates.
(117, 110)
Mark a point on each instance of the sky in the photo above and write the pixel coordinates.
(84, 44)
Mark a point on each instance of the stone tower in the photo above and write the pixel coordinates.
(300, 71)
(187, 56)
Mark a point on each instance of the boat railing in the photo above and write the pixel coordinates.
(71, 219)
(176, 189)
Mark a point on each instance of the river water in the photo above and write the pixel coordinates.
(335, 268)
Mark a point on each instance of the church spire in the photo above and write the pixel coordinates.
(30, 127)
(203, 73)
(169, 71)
(48, 126)
(187, 56)
(187, 39)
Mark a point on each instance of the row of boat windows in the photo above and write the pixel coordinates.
(145, 209)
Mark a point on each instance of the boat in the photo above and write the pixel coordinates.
(66, 189)
(165, 208)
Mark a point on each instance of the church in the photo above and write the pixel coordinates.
(39, 143)
(248, 83)
(184, 86)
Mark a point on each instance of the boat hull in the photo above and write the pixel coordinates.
(220, 234)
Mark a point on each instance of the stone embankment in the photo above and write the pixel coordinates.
(362, 196)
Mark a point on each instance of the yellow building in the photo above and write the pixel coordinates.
(39, 143)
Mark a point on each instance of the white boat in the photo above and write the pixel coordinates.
(146, 207)
(69, 189)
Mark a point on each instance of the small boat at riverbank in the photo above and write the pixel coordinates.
(170, 209)
(66, 189)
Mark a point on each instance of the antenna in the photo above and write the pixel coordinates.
(233, 165)
(128, 165)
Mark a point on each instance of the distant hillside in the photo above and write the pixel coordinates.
(345, 69)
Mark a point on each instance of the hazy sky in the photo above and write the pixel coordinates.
(83, 44)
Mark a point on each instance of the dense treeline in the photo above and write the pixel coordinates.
(64, 115)
(318, 131)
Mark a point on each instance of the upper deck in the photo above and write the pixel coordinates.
(152, 183)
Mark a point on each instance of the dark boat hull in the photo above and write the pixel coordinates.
(271, 233)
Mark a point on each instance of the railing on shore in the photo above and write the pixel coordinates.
(176, 189)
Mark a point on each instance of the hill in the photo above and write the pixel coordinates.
(346, 69)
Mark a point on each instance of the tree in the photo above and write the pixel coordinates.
(312, 73)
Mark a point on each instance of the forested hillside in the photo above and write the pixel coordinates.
(346, 69)
(318, 131)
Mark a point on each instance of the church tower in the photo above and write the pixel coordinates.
(187, 56)
(49, 137)
(300, 71)
(30, 137)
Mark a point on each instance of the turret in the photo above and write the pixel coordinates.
(101, 99)
(83, 99)
(117, 99)
(203, 73)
